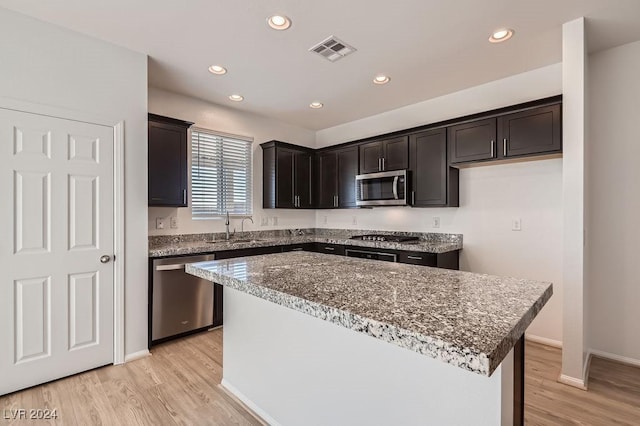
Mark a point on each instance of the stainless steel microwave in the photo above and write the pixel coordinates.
(382, 189)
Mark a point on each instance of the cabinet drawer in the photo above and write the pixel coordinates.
(417, 258)
(330, 249)
(298, 247)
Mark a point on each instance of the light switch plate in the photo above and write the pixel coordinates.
(160, 223)
(173, 221)
(275, 220)
(264, 221)
(354, 220)
(436, 222)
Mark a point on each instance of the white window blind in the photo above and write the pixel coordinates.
(220, 175)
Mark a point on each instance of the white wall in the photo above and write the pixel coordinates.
(55, 67)
(614, 201)
(227, 120)
(490, 196)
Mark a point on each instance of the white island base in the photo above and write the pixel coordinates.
(294, 369)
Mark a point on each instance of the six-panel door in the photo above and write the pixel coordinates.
(56, 218)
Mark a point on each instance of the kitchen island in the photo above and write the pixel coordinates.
(312, 338)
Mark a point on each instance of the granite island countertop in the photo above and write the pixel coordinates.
(465, 319)
(201, 243)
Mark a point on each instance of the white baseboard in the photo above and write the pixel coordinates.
(613, 357)
(543, 340)
(137, 355)
(233, 391)
(572, 381)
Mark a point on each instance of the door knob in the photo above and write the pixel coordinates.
(105, 258)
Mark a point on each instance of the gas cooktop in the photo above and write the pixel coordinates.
(386, 238)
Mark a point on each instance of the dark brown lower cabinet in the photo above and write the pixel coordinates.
(327, 248)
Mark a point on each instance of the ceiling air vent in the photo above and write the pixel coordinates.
(332, 49)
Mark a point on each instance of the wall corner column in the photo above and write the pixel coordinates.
(574, 87)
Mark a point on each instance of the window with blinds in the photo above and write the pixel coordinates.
(220, 175)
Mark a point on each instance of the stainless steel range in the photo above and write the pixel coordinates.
(386, 238)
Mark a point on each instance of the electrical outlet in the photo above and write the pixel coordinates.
(436, 222)
(354, 220)
(173, 222)
(516, 225)
(274, 220)
(159, 222)
(264, 221)
(325, 220)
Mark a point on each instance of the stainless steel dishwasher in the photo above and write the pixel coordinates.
(180, 302)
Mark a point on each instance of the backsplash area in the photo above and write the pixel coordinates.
(162, 240)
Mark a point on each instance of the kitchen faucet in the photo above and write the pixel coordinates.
(242, 224)
(226, 223)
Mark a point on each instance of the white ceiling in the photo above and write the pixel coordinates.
(428, 47)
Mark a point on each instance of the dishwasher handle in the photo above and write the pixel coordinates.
(174, 267)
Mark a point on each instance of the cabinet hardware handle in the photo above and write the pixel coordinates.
(504, 147)
(414, 257)
(413, 197)
(383, 164)
(184, 196)
(379, 164)
(329, 248)
(337, 201)
(493, 148)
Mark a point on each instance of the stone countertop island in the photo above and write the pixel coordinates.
(420, 317)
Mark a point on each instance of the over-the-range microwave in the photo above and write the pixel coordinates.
(382, 188)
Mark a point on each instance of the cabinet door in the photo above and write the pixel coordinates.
(285, 160)
(328, 179)
(167, 164)
(303, 179)
(473, 141)
(347, 160)
(396, 154)
(536, 131)
(429, 168)
(371, 157)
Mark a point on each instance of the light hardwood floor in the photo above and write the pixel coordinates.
(179, 385)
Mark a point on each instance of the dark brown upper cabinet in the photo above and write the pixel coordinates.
(337, 170)
(434, 182)
(473, 141)
(530, 132)
(167, 161)
(383, 155)
(286, 176)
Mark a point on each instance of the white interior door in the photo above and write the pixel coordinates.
(56, 221)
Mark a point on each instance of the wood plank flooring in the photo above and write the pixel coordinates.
(179, 385)
(613, 396)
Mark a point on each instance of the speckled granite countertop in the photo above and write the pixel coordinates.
(201, 243)
(468, 320)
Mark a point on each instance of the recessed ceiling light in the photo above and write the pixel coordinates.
(236, 98)
(381, 79)
(217, 69)
(316, 105)
(501, 35)
(279, 22)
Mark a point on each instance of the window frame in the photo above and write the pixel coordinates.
(221, 180)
